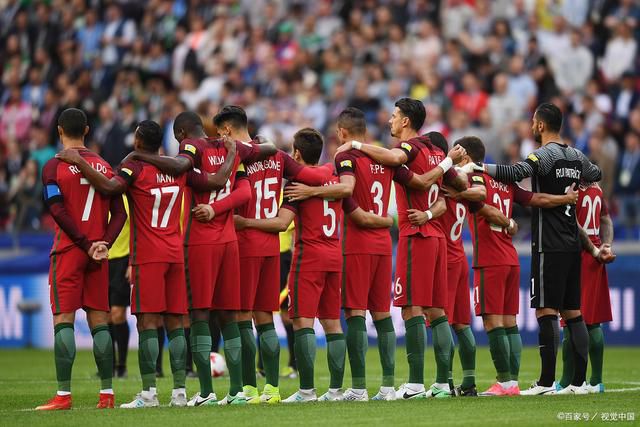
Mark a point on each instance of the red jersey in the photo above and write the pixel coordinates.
(87, 208)
(492, 245)
(590, 207)
(452, 222)
(265, 178)
(371, 193)
(208, 156)
(422, 157)
(154, 208)
(317, 238)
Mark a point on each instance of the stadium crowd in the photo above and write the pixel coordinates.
(479, 66)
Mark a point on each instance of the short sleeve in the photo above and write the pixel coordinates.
(605, 208)
(288, 204)
(129, 171)
(345, 164)
(247, 151)
(410, 149)
(291, 168)
(349, 205)
(241, 172)
(521, 196)
(190, 149)
(51, 191)
(477, 179)
(402, 175)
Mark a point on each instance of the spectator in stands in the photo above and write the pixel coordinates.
(628, 184)
(620, 54)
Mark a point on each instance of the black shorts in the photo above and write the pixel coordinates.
(285, 266)
(119, 287)
(555, 280)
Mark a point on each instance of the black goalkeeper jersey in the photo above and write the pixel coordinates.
(553, 168)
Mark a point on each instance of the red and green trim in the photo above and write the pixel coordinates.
(481, 291)
(344, 262)
(54, 279)
(298, 262)
(409, 268)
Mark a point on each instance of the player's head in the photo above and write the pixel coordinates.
(187, 124)
(72, 124)
(307, 146)
(148, 136)
(438, 140)
(408, 114)
(546, 120)
(230, 119)
(351, 124)
(474, 148)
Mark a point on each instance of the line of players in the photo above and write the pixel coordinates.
(342, 255)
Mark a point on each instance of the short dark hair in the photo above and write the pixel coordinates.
(187, 121)
(150, 133)
(550, 115)
(438, 140)
(73, 122)
(414, 110)
(233, 115)
(308, 142)
(473, 146)
(353, 120)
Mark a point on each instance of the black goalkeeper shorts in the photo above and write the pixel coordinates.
(119, 287)
(555, 280)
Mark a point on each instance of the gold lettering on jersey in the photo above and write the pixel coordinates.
(216, 160)
(568, 173)
(376, 168)
(501, 186)
(163, 179)
(262, 166)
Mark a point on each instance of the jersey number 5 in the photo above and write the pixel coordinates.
(330, 229)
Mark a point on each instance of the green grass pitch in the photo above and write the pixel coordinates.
(27, 379)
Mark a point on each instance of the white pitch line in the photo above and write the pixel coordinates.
(622, 390)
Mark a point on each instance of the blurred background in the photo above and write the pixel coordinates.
(479, 66)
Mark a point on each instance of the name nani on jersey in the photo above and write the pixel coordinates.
(163, 179)
(568, 173)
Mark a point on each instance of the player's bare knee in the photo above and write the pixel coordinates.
(262, 317)
(331, 326)
(118, 314)
(348, 312)
(173, 321)
(63, 318)
(302, 323)
(409, 312)
(509, 321)
(245, 316)
(95, 318)
(491, 322)
(380, 315)
(434, 313)
(546, 312)
(570, 314)
(199, 315)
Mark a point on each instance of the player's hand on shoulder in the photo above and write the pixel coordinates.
(606, 255)
(451, 192)
(70, 155)
(472, 167)
(343, 148)
(262, 139)
(203, 212)
(417, 217)
(457, 153)
(296, 192)
(98, 251)
(240, 222)
(229, 143)
(131, 156)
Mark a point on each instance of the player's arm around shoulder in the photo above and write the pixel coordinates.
(108, 186)
(393, 157)
(270, 225)
(364, 219)
(545, 200)
(477, 191)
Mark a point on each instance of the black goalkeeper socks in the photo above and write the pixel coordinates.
(548, 339)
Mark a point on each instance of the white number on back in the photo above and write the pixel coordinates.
(89, 202)
(593, 209)
(377, 192)
(218, 195)
(157, 193)
(328, 211)
(433, 194)
(263, 192)
(456, 228)
(503, 206)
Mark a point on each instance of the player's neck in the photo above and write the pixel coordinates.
(554, 137)
(242, 136)
(73, 143)
(408, 133)
(359, 138)
(197, 134)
